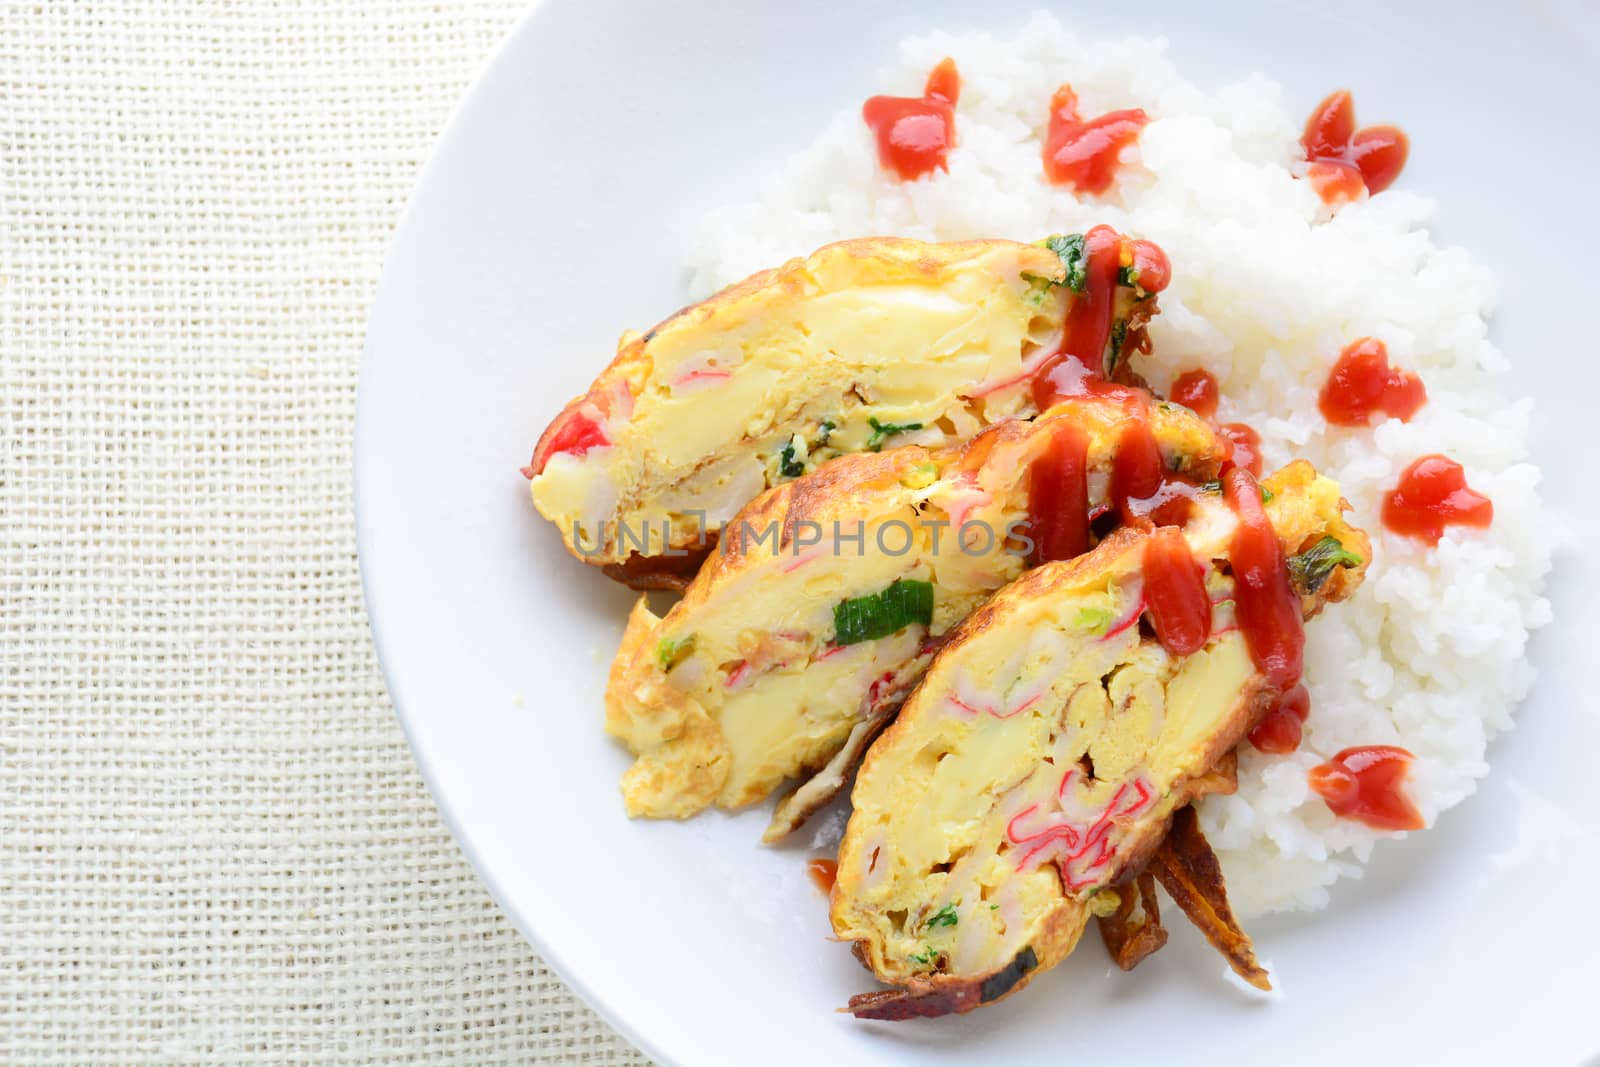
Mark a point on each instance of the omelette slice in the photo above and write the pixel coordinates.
(801, 635)
(1053, 737)
(864, 344)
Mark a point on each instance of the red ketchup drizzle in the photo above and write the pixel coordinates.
(1362, 384)
(1058, 495)
(1267, 608)
(1197, 391)
(1058, 490)
(1085, 155)
(1364, 783)
(1065, 377)
(1088, 325)
(1344, 160)
(1433, 494)
(575, 430)
(823, 874)
(1279, 730)
(1148, 468)
(1152, 269)
(915, 133)
(1246, 446)
(1175, 593)
(1137, 469)
(1078, 367)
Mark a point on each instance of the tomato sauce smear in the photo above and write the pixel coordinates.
(1152, 270)
(1197, 391)
(1245, 445)
(1078, 367)
(1085, 154)
(1137, 470)
(1175, 592)
(1345, 161)
(1362, 384)
(1087, 330)
(1058, 495)
(1279, 730)
(1267, 607)
(1366, 783)
(1432, 494)
(915, 133)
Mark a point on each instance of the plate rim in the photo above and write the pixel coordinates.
(427, 176)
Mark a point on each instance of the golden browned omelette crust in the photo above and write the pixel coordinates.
(1040, 761)
(863, 345)
(1188, 870)
(1133, 932)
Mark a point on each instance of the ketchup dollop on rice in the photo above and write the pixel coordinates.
(1345, 161)
(915, 133)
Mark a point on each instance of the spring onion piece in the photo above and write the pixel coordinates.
(1073, 256)
(670, 653)
(1313, 566)
(882, 431)
(1119, 334)
(788, 465)
(1094, 620)
(883, 613)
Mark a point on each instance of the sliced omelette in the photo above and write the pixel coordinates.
(863, 345)
(829, 595)
(1038, 763)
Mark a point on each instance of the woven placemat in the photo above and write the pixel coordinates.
(214, 843)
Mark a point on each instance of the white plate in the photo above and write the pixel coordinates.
(556, 213)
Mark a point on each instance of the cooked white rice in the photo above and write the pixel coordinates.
(1265, 291)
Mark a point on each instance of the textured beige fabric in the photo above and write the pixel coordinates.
(214, 844)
